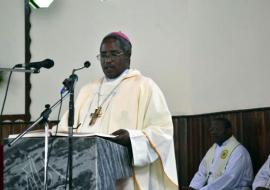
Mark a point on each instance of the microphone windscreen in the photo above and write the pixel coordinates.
(48, 63)
(87, 64)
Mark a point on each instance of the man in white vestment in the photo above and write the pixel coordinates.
(132, 107)
(226, 165)
(262, 179)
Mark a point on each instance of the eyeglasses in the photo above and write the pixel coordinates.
(112, 56)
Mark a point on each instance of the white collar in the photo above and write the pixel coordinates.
(120, 77)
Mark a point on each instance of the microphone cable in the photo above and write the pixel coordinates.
(59, 112)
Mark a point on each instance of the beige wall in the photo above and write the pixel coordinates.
(229, 57)
(12, 52)
(206, 56)
(70, 33)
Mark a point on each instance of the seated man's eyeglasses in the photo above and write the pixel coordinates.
(112, 56)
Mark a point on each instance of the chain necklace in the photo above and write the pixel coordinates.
(98, 111)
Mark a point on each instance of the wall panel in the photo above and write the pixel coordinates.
(251, 127)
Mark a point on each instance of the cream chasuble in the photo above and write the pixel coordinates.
(135, 103)
(102, 98)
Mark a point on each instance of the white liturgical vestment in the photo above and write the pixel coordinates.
(135, 103)
(236, 175)
(262, 178)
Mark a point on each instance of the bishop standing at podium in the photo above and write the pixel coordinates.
(127, 104)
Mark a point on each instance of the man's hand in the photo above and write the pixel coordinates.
(122, 137)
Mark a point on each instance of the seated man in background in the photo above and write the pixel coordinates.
(262, 179)
(226, 165)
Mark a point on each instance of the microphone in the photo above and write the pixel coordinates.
(73, 78)
(46, 63)
(86, 65)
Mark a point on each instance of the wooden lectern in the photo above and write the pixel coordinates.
(97, 163)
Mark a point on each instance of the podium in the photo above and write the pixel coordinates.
(97, 163)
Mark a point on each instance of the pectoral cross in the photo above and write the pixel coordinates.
(94, 116)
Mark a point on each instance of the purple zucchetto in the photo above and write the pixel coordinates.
(120, 34)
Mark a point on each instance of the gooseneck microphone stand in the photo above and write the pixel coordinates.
(69, 84)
